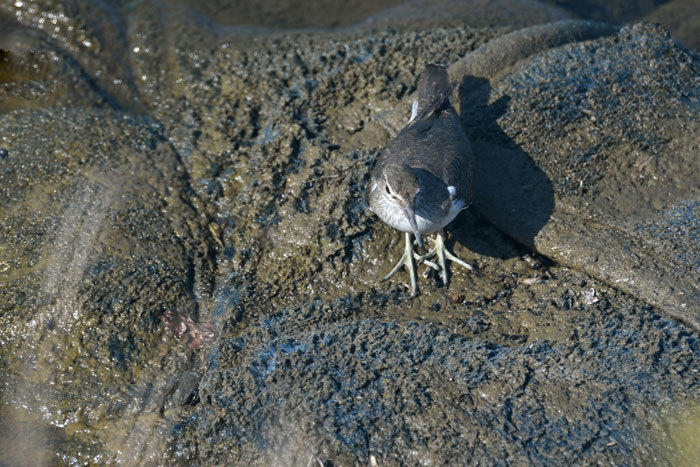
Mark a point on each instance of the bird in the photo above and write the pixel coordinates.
(423, 178)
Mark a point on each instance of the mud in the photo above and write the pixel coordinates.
(217, 179)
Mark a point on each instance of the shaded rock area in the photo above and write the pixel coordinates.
(620, 150)
(680, 17)
(189, 271)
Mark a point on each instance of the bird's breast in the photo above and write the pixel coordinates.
(392, 215)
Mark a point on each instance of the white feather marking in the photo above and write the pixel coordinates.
(414, 111)
(453, 192)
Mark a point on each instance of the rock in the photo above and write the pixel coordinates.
(307, 384)
(682, 18)
(72, 54)
(585, 112)
(237, 199)
(609, 126)
(98, 235)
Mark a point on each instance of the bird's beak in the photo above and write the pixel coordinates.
(411, 216)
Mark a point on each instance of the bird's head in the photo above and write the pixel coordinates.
(399, 186)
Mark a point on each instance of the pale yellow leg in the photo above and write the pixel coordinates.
(442, 253)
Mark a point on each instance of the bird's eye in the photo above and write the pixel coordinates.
(388, 190)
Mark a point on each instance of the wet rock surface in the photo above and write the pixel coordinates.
(233, 217)
(99, 235)
(342, 388)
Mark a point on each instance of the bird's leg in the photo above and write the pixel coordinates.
(406, 260)
(421, 259)
(442, 253)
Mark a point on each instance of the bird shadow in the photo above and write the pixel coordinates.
(511, 192)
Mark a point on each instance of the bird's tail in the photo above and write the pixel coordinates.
(434, 89)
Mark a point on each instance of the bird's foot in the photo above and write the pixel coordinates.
(421, 259)
(407, 260)
(442, 253)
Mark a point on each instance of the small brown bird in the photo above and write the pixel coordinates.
(423, 179)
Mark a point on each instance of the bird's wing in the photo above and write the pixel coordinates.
(438, 145)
